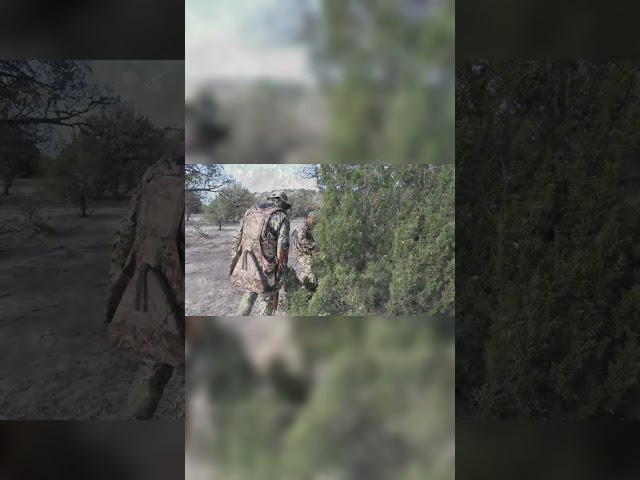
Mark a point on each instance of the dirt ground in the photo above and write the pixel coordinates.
(57, 363)
(208, 290)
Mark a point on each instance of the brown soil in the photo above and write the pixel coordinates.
(57, 363)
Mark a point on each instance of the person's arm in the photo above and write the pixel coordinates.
(283, 237)
(124, 237)
(237, 238)
(307, 243)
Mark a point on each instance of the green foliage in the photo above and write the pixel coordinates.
(380, 409)
(548, 261)
(389, 74)
(126, 144)
(386, 242)
(304, 201)
(230, 204)
(192, 203)
(110, 156)
(72, 174)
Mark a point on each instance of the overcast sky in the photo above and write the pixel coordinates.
(243, 40)
(262, 178)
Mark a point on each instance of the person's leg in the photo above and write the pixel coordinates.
(307, 275)
(146, 390)
(246, 303)
(265, 304)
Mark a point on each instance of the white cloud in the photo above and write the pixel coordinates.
(264, 178)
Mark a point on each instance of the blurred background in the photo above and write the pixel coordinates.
(75, 139)
(98, 450)
(95, 29)
(320, 81)
(320, 398)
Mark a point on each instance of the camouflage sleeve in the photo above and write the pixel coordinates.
(283, 225)
(306, 242)
(124, 236)
(295, 242)
(237, 238)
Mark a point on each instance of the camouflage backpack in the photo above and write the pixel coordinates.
(253, 267)
(149, 319)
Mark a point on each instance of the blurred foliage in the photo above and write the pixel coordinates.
(267, 122)
(386, 242)
(19, 154)
(108, 157)
(387, 68)
(547, 238)
(380, 407)
(589, 29)
(549, 450)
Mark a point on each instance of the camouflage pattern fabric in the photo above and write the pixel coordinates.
(265, 303)
(304, 246)
(146, 390)
(263, 234)
(145, 298)
(277, 232)
(278, 222)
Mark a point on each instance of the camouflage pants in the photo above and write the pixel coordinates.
(305, 271)
(146, 390)
(265, 303)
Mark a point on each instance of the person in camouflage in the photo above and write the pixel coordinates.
(275, 239)
(304, 247)
(144, 310)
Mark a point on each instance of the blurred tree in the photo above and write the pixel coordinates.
(18, 153)
(388, 70)
(73, 174)
(129, 143)
(378, 407)
(266, 128)
(193, 204)
(547, 248)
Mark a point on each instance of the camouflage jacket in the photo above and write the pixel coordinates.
(303, 241)
(278, 228)
(125, 236)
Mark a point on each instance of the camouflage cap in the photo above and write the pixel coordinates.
(312, 214)
(281, 195)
